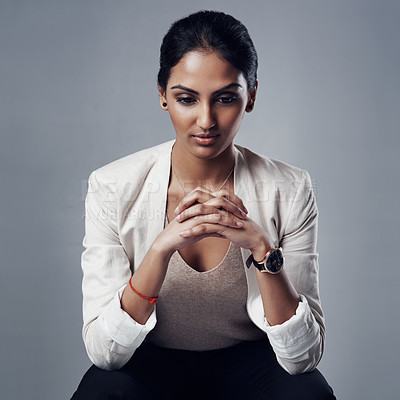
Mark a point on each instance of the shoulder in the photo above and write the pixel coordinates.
(283, 192)
(126, 176)
(134, 164)
(263, 168)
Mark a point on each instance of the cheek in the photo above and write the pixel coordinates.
(233, 118)
(179, 118)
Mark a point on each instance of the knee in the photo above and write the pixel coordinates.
(110, 385)
(321, 388)
(311, 386)
(120, 386)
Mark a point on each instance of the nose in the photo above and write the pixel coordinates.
(206, 118)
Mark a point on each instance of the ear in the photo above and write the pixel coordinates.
(162, 98)
(252, 98)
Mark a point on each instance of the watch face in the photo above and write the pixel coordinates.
(275, 261)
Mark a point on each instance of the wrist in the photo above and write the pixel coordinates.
(161, 250)
(261, 249)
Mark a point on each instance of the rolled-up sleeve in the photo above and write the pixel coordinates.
(298, 343)
(110, 335)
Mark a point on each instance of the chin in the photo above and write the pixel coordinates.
(208, 152)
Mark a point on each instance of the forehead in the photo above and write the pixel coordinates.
(204, 71)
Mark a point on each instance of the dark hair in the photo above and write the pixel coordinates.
(209, 31)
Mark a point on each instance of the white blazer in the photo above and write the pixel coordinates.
(124, 212)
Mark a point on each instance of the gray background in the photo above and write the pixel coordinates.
(78, 90)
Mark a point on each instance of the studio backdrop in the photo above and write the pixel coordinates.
(78, 90)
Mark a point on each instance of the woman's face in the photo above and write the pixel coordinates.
(206, 98)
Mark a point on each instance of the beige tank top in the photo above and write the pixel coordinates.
(204, 310)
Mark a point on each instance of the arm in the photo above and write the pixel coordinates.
(116, 320)
(298, 341)
(292, 311)
(148, 280)
(110, 334)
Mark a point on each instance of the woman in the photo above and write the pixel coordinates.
(200, 268)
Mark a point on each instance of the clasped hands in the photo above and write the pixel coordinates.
(203, 213)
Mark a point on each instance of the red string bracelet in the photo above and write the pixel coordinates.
(151, 300)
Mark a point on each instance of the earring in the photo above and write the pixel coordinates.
(250, 107)
(164, 104)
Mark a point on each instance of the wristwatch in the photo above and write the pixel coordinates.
(272, 263)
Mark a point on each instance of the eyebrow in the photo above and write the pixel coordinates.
(223, 89)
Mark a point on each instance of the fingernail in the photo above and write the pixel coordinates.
(176, 210)
(178, 218)
(239, 223)
(245, 210)
(184, 233)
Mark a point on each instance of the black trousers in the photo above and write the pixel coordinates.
(248, 370)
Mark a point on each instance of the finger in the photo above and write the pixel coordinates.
(205, 230)
(196, 210)
(220, 219)
(198, 195)
(217, 235)
(232, 197)
(224, 203)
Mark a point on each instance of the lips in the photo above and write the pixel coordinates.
(205, 139)
(205, 135)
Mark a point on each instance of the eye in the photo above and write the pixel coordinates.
(186, 100)
(226, 99)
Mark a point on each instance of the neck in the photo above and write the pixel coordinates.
(194, 171)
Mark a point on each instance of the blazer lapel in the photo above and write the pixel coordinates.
(245, 189)
(159, 177)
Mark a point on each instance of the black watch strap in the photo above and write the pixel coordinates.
(251, 261)
(272, 263)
